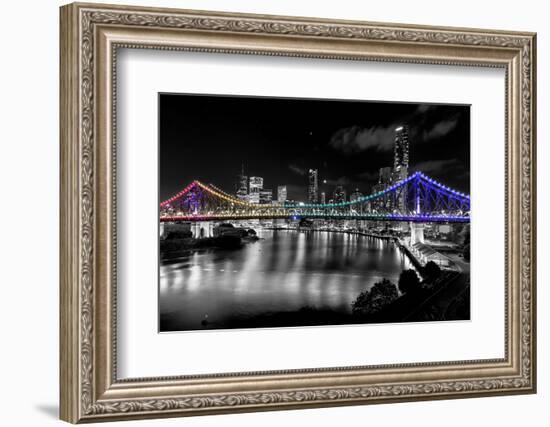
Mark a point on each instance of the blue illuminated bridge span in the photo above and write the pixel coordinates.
(417, 198)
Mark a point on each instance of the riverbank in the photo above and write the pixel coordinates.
(415, 261)
(403, 247)
(305, 316)
(331, 230)
(430, 303)
(175, 248)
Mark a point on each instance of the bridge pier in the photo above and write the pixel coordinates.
(417, 232)
(202, 229)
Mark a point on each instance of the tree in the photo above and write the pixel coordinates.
(432, 271)
(376, 298)
(408, 281)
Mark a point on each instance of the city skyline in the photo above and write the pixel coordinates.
(270, 140)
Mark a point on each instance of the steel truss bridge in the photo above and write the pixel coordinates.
(417, 198)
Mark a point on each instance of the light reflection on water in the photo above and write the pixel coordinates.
(284, 271)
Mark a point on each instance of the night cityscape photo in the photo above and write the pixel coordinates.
(290, 212)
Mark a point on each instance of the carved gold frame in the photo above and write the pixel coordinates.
(90, 36)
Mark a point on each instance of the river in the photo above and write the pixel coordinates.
(278, 275)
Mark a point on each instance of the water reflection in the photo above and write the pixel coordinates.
(285, 271)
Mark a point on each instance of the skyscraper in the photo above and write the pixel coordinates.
(281, 194)
(313, 188)
(401, 162)
(256, 183)
(401, 148)
(323, 198)
(241, 186)
(266, 196)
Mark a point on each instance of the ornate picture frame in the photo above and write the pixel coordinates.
(90, 37)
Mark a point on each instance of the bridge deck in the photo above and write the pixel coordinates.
(392, 217)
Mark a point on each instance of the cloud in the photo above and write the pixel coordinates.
(297, 169)
(440, 129)
(354, 139)
(422, 108)
(437, 166)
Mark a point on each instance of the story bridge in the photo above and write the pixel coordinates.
(416, 199)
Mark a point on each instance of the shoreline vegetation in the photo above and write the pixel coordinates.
(439, 295)
(179, 243)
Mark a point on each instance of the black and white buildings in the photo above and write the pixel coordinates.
(313, 187)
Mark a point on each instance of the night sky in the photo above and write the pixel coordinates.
(209, 137)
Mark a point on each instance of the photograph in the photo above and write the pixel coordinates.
(288, 212)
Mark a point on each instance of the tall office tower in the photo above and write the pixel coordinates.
(339, 194)
(281, 194)
(323, 198)
(313, 188)
(241, 185)
(266, 196)
(253, 197)
(401, 162)
(256, 183)
(401, 148)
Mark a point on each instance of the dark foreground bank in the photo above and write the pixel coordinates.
(450, 301)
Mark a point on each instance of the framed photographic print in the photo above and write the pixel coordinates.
(264, 212)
